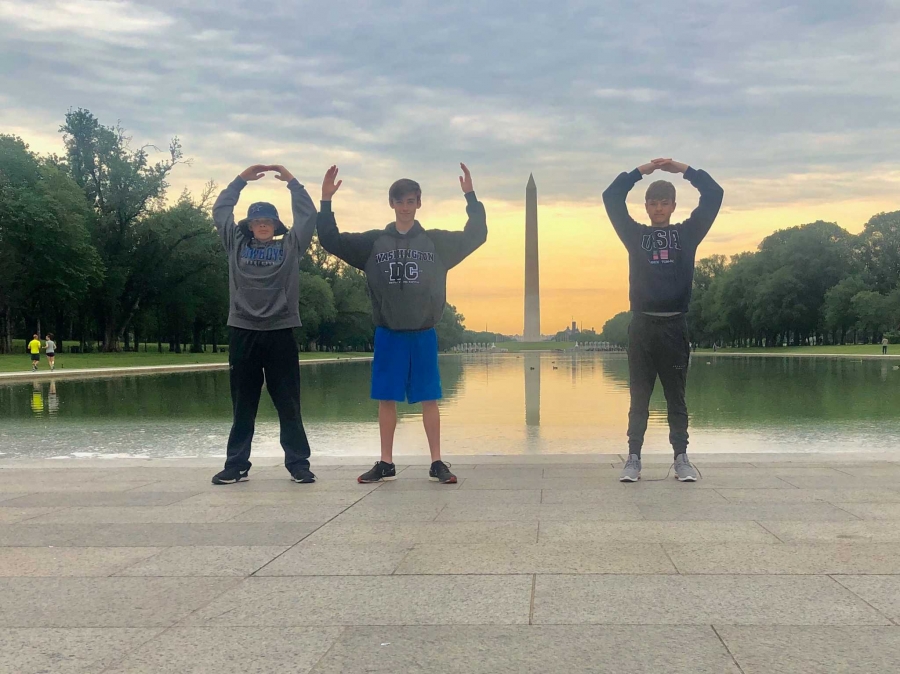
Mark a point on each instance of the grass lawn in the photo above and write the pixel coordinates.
(847, 349)
(535, 346)
(21, 362)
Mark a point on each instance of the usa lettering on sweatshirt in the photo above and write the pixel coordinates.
(661, 259)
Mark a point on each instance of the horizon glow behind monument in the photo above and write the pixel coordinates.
(532, 331)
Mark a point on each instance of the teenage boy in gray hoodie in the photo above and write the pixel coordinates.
(406, 269)
(264, 293)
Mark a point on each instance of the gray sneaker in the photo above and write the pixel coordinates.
(632, 470)
(684, 470)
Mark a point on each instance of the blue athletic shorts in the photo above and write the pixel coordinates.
(406, 366)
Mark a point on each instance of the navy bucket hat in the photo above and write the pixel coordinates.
(261, 209)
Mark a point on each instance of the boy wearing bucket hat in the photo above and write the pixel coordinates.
(264, 293)
(406, 270)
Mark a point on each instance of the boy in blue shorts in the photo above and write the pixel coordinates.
(406, 269)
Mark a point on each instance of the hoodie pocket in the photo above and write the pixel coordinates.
(258, 303)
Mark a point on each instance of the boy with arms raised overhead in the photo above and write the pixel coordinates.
(661, 271)
(406, 269)
(264, 293)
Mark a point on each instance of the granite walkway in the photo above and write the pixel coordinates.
(770, 564)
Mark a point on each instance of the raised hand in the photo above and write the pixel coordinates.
(465, 180)
(670, 165)
(329, 187)
(255, 172)
(283, 173)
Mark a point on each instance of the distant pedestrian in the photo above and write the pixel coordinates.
(50, 348)
(884, 345)
(34, 348)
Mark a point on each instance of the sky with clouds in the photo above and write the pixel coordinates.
(794, 107)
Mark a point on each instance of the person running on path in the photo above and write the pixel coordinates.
(884, 345)
(50, 348)
(406, 269)
(661, 270)
(264, 296)
(34, 348)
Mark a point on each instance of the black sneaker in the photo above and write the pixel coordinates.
(302, 475)
(380, 472)
(231, 475)
(440, 472)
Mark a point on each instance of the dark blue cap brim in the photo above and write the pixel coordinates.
(244, 224)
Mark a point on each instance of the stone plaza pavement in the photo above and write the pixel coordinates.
(770, 564)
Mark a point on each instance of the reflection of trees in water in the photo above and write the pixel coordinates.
(329, 392)
(753, 391)
(730, 392)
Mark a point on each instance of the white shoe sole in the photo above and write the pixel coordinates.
(240, 479)
(686, 479)
(629, 479)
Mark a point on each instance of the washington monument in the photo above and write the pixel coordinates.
(532, 271)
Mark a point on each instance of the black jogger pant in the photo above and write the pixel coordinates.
(658, 345)
(253, 355)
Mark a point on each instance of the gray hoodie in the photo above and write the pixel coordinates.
(406, 273)
(264, 278)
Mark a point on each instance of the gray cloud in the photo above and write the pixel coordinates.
(573, 91)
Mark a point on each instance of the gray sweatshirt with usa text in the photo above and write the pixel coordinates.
(264, 278)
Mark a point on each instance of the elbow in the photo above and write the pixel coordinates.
(610, 197)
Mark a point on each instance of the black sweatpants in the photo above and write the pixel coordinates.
(253, 355)
(658, 345)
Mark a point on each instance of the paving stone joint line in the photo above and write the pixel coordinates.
(727, 650)
(836, 578)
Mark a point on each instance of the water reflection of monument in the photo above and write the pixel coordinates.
(532, 389)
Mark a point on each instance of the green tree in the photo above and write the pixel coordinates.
(798, 266)
(728, 302)
(615, 330)
(705, 271)
(352, 326)
(123, 187)
(873, 311)
(316, 307)
(49, 263)
(451, 328)
(839, 313)
(878, 247)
